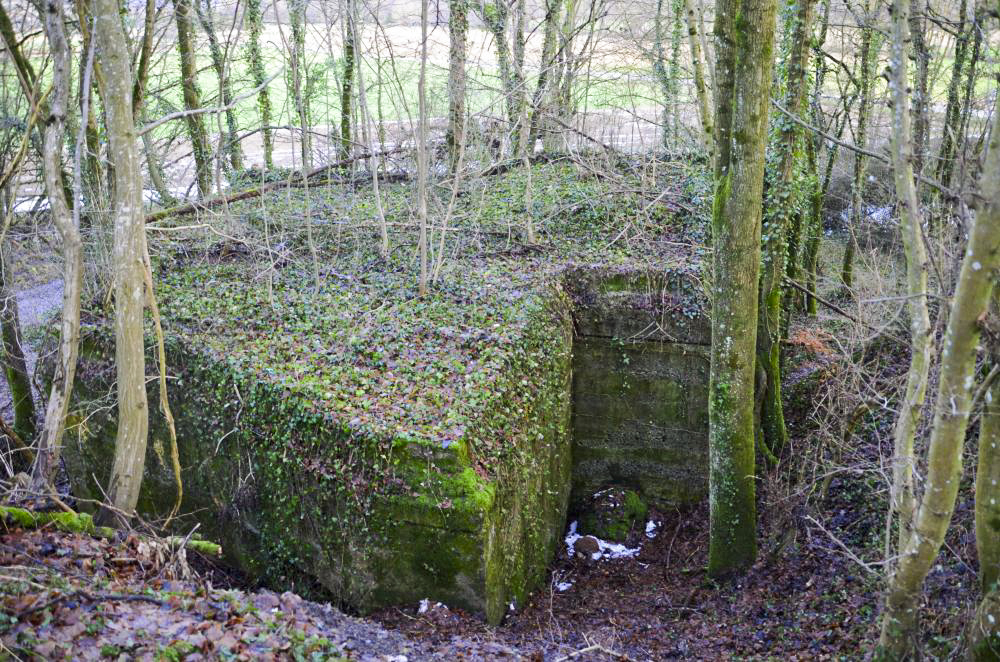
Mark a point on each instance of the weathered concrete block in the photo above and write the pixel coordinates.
(640, 385)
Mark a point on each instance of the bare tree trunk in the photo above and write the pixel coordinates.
(69, 333)
(745, 53)
(369, 146)
(930, 519)
(458, 30)
(192, 97)
(697, 61)
(258, 74)
(129, 249)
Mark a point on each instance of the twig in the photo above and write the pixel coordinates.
(254, 192)
(200, 111)
(823, 301)
(594, 648)
(854, 148)
(847, 550)
(90, 597)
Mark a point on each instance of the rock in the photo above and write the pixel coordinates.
(614, 514)
(586, 547)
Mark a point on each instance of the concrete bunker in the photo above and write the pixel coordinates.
(603, 384)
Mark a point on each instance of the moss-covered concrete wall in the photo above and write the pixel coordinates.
(370, 516)
(640, 384)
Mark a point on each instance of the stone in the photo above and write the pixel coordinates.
(586, 547)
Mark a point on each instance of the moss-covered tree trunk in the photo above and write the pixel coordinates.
(744, 32)
(258, 73)
(192, 96)
(68, 225)
(930, 519)
(988, 491)
(458, 31)
(129, 247)
(219, 64)
(781, 205)
(984, 635)
(12, 360)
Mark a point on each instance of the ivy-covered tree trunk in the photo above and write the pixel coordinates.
(347, 86)
(298, 78)
(866, 75)
(192, 96)
(820, 183)
(255, 62)
(540, 99)
(781, 205)
(12, 361)
(458, 31)
(495, 16)
(930, 519)
(232, 145)
(129, 247)
(921, 104)
(949, 131)
(663, 73)
(50, 442)
(744, 32)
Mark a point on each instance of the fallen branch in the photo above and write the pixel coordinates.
(823, 301)
(90, 597)
(203, 205)
(16, 440)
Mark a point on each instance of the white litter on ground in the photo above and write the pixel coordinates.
(651, 527)
(608, 550)
(425, 606)
(564, 586)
